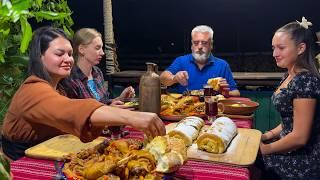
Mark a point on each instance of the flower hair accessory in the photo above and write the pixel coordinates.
(305, 23)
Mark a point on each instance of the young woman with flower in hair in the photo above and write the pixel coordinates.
(291, 150)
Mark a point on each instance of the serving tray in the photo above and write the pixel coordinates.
(55, 148)
(242, 151)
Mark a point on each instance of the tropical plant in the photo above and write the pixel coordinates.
(4, 168)
(17, 17)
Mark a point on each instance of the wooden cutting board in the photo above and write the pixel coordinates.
(242, 151)
(55, 148)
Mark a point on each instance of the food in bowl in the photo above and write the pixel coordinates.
(131, 104)
(237, 107)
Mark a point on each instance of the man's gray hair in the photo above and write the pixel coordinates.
(203, 29)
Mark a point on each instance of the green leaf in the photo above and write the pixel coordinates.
(51, 15)
(19, 60)
(39, 3)
(66, 30)
(5, 8)
(8, 92)
(26, 34)
(5, 32)
(1, 58)
(21, 5)
(5, 163)
(3, 173)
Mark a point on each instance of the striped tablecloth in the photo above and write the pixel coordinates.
(37, 169)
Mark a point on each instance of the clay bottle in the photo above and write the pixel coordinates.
(156, 69)
(149, 90)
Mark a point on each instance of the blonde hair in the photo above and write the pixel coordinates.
(83, 36)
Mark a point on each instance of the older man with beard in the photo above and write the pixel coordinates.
(192, 71)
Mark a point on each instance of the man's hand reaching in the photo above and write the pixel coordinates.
(181, 77)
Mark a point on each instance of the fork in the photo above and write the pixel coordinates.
(188, 93)
(58, 168)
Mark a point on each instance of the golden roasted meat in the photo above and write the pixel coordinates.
(196, 108)
(123, 146)
(186, 100)
(119, 159)
(186, 105)
(166, 99)
(98, 169)
(168, 111)
(136, 163)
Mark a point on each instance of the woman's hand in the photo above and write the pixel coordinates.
(127, 93)
(267, 136)
(264, 148)
(149, 123)
(120, 104)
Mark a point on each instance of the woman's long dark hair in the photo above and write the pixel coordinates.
(300, 34)
(39, 45)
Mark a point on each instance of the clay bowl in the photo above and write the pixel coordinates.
(237, 107)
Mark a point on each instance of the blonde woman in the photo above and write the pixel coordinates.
(86, 79)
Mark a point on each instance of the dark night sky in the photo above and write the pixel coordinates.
(164, 26)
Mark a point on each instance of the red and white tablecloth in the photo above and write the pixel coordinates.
(37, 169)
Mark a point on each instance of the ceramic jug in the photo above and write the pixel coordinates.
(149, 90)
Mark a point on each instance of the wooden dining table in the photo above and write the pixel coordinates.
(28, 168)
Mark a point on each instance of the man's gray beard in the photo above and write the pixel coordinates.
(202, 59)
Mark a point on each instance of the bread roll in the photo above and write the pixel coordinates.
(218, 136)
(169, 162)
(178, 145)
(184, 132)
(169, 152)
(158, 146)
(214, 83)
(187, 129)
(193, 121)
